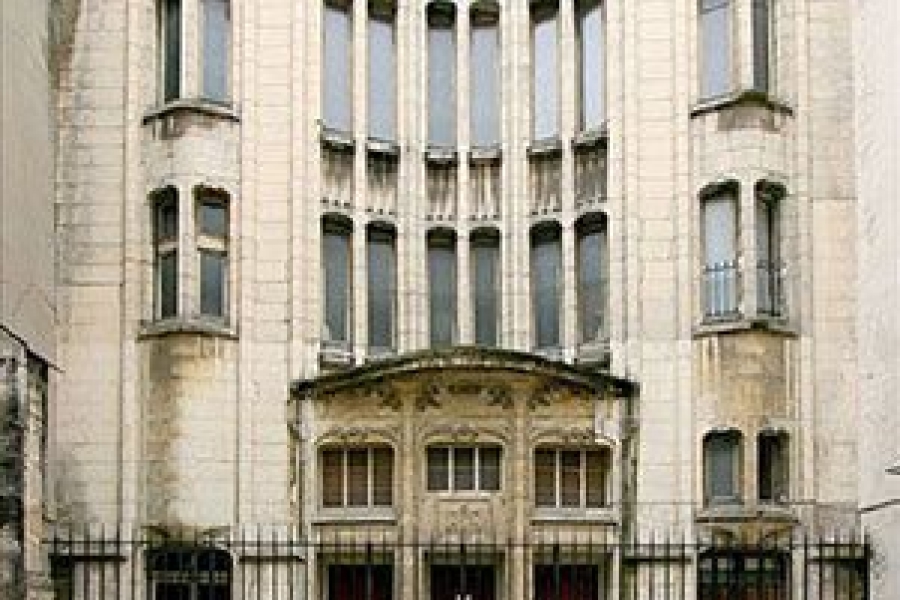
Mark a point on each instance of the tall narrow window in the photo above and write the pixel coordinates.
(485, 71)
(485, 256)
(762, 41)
(441, 74)
(546, 282)
(592, 278)
(720, 253)
(591, 55)
(170, 40)
(212, 246)
(337, 58)
(715, 39)
(382, 71)
(338, 282)
(165, 237)
(545, 70)
(442, 288)
(382, 281)
(768, 252)
(216, 46)
(772, 465)
(721, 463)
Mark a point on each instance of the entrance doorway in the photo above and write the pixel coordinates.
(463, 582)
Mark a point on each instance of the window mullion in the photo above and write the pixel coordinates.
(476, 465)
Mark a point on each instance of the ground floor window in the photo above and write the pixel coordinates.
(463, 582)
(189, 574)
(744, 576)
(360, 582)
(566, 582)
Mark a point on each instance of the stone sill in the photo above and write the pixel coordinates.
(481, 155)
(441, 155)
(741, 97)
(778, 513)
(337, 139)
(545, 148)
(591, 138)
(607, 516)
(201, 106)
(774, 325)
(382, 147)
(362, 514)
(186, 326)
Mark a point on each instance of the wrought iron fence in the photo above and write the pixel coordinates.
(583, 565)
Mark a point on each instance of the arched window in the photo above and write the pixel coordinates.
(381, 266)
(546, 285)
(485, 73)
(592, 289)
(337, 58)
(721, 467)
(772, 466)
(337, 235)
(769, 285)
(165, 252)
(485, 258)
(441, 73)
(545, 69)
(720, 237)
(442, 287)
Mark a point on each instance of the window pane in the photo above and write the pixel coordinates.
(570, 478)
(332, 478)
(545, 80)
(720, 229)
(597, 467)
(489, 469)
(336, 249)
(212, 283)
(216, 42)
(172, 52)
(485, 84)
(772, 465)
(761, 44)
(167, 264)
(592, 50)
(486, 257)
(213, 219)
(442, 292)
(383, 475)
(721, 462)
(715, 24)
(463, 469)
(441, 84)
(545, 478)
(546, 261)
(592, 284)
(381, 280)
(336, 107)
(357, 477)
(382, 79)
(166, 226)
(438, 469)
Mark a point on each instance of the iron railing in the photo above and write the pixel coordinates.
(721, 290)
(769, 289)
(579, 564)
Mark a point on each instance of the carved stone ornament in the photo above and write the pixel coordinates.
(359, 435)
(386, 395)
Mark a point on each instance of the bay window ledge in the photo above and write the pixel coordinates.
(741, 97)
(739, 323)
(200, 326)
(355, 514)
(717, 513)
(336, 354)
(605, 515)
(204, 106)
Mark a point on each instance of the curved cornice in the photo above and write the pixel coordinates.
(468, 358)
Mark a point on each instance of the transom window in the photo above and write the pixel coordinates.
(464, 468)
(357, 477)
(571, 478)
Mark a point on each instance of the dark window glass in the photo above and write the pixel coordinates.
(382, 75)
(773, 467)
(216, 43)
(591, 61)
(213, 219)
(383, 476)
(486, 286)
(721, 453)
(546, 264)
(464, 469)
(212, 283)
(357, 477)
(167, 265)
(761, 44)
(441, 77)
(715, 35)
(382, 285)
(545, 76)
(592, 289)
(565, 581)
(171, 39)
(489, 469)
(166, 226)
(442, 290)
(438, 469)
(485, 92)
(545, 478)
(570, 478)
(596, 468)
(338, 83)
(336, 250)
(332, 478)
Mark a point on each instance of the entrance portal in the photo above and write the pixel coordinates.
(463, 582)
